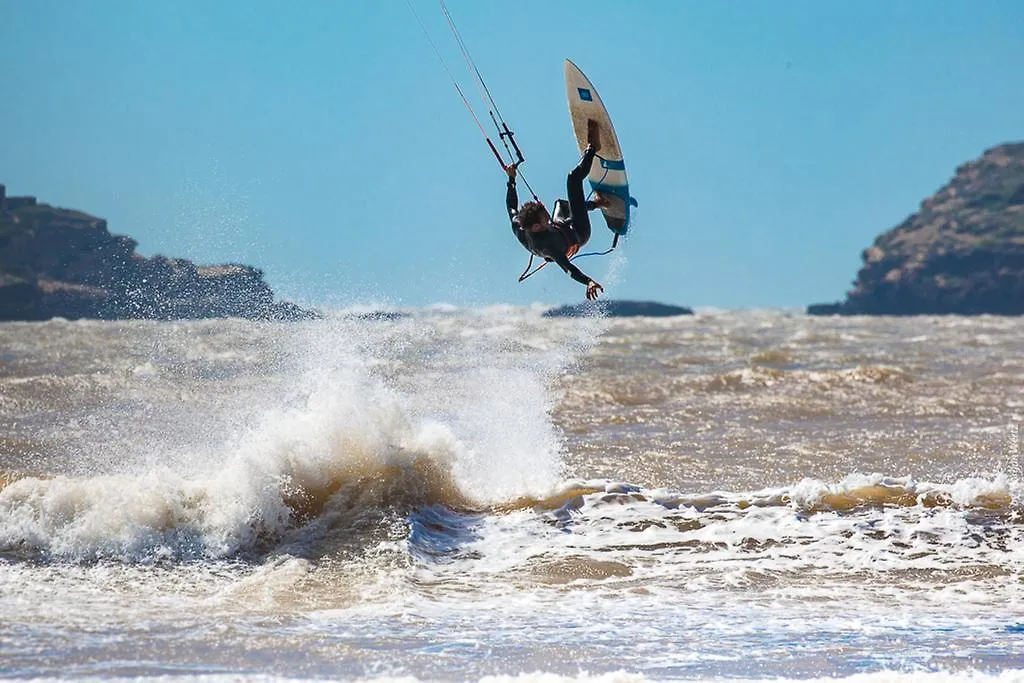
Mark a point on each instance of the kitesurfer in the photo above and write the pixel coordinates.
(559, 238)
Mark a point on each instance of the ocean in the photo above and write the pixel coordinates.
(488, 494)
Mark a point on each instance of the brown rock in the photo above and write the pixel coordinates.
(962, 253)
(63, 263)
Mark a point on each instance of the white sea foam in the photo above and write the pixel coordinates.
(392, 499)
(482, 416)
(620, 676)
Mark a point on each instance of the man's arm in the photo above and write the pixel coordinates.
(593, 286)
(511, 197)
(578, 275)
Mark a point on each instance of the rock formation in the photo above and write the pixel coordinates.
(64, 263)
(617, 309)
(962, 253)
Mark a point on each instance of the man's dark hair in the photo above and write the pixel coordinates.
(530, 213)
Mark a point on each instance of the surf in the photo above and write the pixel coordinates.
(358, 419)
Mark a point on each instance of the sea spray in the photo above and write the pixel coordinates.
(487, 380)
(832, 523)
(341, 416)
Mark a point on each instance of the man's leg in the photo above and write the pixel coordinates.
(577, 200)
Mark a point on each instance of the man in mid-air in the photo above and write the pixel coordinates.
(557, 239)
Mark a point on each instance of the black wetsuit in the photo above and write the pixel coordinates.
(554, 243)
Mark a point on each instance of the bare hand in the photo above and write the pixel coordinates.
(592, 290)
(511, 169)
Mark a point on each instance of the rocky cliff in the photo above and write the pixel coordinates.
(961, 253)
(63, 263)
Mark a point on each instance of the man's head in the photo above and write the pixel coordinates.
(533, 217)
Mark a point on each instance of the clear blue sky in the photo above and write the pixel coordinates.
(768, 142)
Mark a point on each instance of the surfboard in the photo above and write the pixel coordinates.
(608, 174)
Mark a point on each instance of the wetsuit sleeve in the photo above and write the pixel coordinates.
(512, 202)
(566, 265)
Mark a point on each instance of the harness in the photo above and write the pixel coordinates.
(571, 239)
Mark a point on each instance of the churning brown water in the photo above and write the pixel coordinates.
(455, 494)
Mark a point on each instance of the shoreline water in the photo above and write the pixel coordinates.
(462, 494)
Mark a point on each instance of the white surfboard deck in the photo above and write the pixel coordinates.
(608, 174)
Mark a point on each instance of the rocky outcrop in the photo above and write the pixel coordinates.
(63, 263)
(617, 309)
(962, 253)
